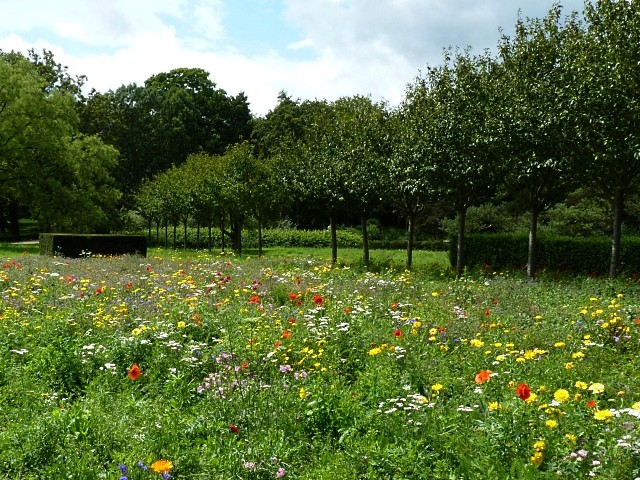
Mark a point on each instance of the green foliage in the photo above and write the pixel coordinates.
(69, 245)
(555, 253)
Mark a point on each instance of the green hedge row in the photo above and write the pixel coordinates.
(564, 254)
(84, 245)
(280, 237)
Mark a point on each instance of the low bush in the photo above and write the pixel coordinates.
(82, 245)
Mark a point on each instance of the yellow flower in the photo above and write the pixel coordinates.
(437, 387)
(476, 343)
(571, 437)
(577, 355)
(551, 423)
(569, 365)
(302, 393)
(636, 406)
(493, 406)
(532, 398)
(559, 344)
(596, 388)
(161, 466)
(537, 458)
(561, 395)
(181, 324)
(581, 385)
(520, 360)
(603, 415)
(539, 446)
(434, 294)
(375, 351)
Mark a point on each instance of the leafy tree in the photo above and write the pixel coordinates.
(361, 134)
(607, 104)
(535, 115)
(458, 132)
(411, 186)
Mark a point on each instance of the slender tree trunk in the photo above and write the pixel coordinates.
(334, 240)
(410, 236)
(462, 220)
(166, 233)
(210, 239)
(365, 240)
(616, 235)
(149, 230)
(184, 242)
(175, 234)
(157, 231)
(222, 232)
(533, 243)
(259, 238)
(198, 236)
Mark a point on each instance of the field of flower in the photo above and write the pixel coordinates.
(213, 367)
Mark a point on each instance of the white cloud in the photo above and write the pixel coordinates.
(344, 47)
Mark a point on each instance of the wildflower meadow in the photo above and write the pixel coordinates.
(204, 366)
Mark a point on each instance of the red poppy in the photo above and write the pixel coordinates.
(134, 372)
(254, 299)
(318, 300)
(483, 376)
(347, 310)
(148, 268)
(128, 286)
(286, 334)
(487, 312)
(397, 332)
(393, 306)
(523, 391)
(291, 320)
(292, 296)
(233, 429)
(277, 344)
(244, 365)
(98, 290)
(591, 404)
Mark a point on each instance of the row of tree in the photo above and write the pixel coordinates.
(556, 109)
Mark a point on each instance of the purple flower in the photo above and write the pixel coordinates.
(123, 469)
(280, 473)
(123, 477)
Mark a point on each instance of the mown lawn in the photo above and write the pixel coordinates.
(216, 367)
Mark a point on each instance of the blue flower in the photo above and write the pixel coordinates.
(123, 469)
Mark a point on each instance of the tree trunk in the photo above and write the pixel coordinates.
(184, 241)
(616, 235)
(334, 240)
(166, 233)
(175, 234)
(410, 236)
(210, 240)
(198, 236)
(462, 219)
(14, 219)
(533, 243)
(365, 240)
(259, 238)
(149, 230)
(158, 231)
(222, 232)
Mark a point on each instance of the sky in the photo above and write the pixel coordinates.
(310, 49)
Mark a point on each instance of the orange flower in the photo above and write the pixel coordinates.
(233, 429)
(291, 320)
(286, 334)
(591, 403)
(483, 376)
(523, 391)
(254, 299)
(347, 310)
(134, 372)
(397, 332)
(293, 296)
(393, 306)
(161, 466)
(318, 300)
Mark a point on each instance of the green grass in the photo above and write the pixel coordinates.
(256, 367)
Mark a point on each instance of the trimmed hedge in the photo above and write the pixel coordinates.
(591, 255)
(81, 245)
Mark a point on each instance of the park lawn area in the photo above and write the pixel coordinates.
(199, 366)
